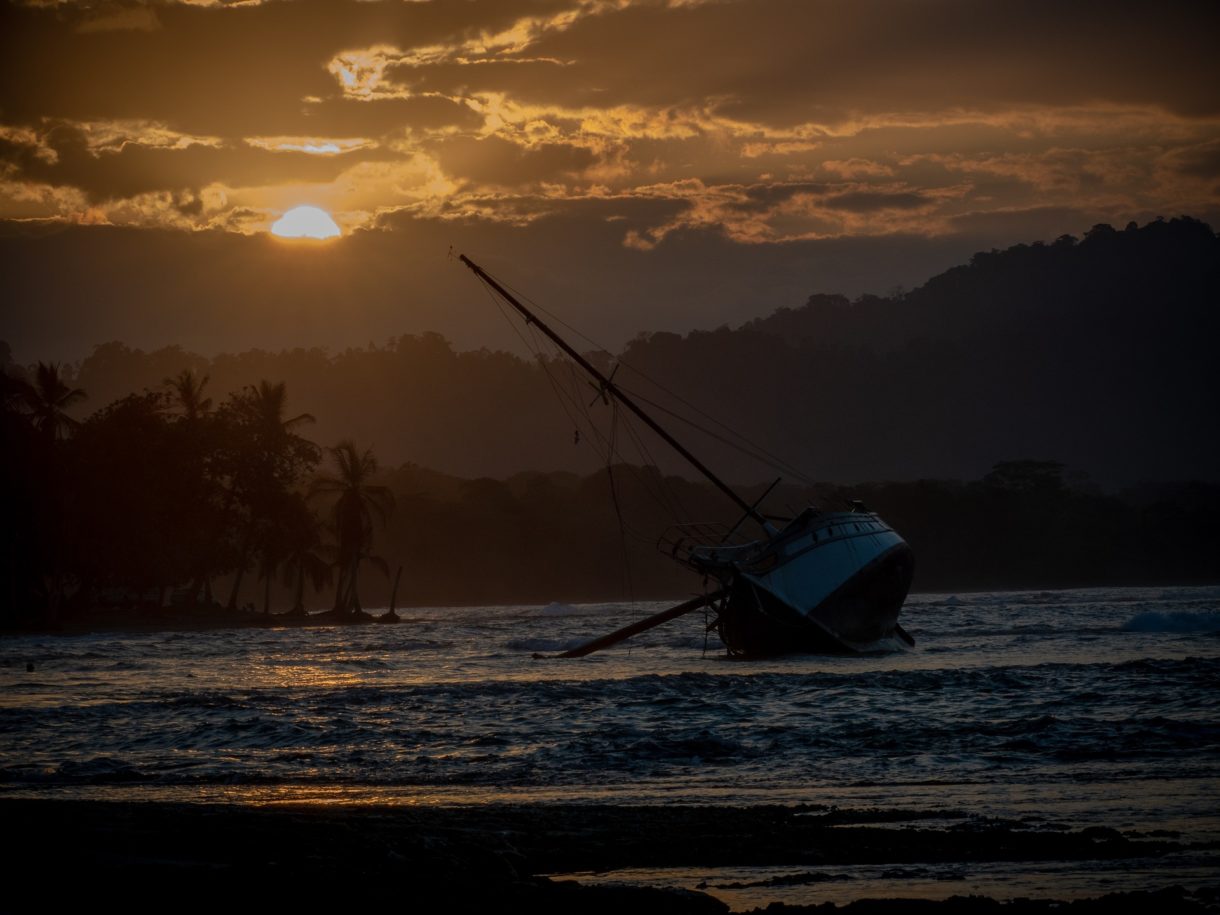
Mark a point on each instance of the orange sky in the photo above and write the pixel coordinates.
(905, 133)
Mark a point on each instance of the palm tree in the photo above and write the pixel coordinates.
(270, 556)
(188, 391)
(279, 455)
(264, 405)
(306, 557)
(47, 400)
(357, 502)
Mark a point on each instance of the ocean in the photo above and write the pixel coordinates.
(1075, 708)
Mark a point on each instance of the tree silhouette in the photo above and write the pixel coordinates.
(263, 407)
(357, 502)
(48, 398)
(266, 458)
(306, 558)
(187, 390)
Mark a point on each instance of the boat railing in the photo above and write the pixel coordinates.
(681, 541)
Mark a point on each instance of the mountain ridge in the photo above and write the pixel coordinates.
(1095, 352)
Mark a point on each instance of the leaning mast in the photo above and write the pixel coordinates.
(609, 387)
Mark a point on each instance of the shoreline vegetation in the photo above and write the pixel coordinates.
(147, 511)
(497, 858)
(157, 495)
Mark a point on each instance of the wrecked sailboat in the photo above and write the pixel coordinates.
(820, 582)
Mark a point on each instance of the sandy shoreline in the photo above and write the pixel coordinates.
(495, 858)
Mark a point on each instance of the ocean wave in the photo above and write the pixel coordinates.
(1030, 687)
(699, 746)
(359, 663)
(1174, 621)
(539, 644)
(556, 608)
(98, 770)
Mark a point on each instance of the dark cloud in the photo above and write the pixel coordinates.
(138, 169)
(637, 144)
(872, 201)
(342, 117)
(246, 70)
(493, 160)
(778, 193)
(786, 62)
(1201, 161)
(225, 71)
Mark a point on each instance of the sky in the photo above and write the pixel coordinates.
(633, 165)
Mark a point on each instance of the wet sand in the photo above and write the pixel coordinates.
(496, 858)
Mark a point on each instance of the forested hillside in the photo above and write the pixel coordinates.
(1097, 352)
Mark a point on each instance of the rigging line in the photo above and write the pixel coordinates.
(576, 397)
(779, 463)
(533, 350)
(525, 298)
(643, 482)
(536, 352)
(500, 308)
(618, 511)
(600, 444)
(544, 362)
(657, 489)
(579, 411)
(745, 446)
(774, 464)
(669, 497)
(573, 393)
(606, 449)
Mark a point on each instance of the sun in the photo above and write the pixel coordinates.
(305, 222)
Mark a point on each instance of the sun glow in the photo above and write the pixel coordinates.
(305, 222)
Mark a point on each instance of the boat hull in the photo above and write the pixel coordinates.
(860, 615)
(827, 583)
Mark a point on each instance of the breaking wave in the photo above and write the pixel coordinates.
(1063, 687)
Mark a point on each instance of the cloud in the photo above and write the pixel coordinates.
(1201, 160)
(872, 201)
(317, 146)
(496, 161)
(789, 62)
(111, 161)
(770, 122)
(115, 18)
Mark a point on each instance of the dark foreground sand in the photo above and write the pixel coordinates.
(144, 856)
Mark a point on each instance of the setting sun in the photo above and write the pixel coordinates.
(305, 222)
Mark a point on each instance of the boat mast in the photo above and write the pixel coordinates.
(609, 387)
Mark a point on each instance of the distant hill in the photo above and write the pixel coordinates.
(1165, 272)
(1098, 352)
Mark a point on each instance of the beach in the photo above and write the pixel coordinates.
(522, 857)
